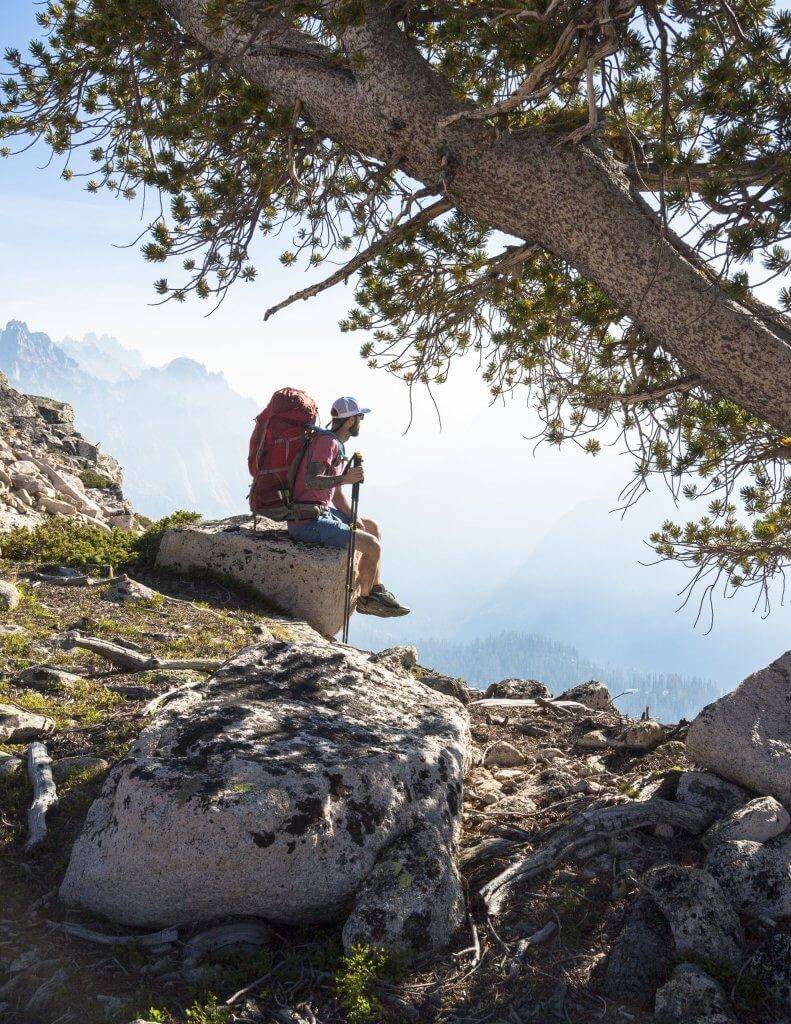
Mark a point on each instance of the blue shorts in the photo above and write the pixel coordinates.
(331, 530)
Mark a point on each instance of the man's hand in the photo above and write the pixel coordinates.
(355, 475)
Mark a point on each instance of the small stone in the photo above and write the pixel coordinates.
(673, 748)
(401, 656)
(593, 695)
(689, 995)
(771, 965)
(709, 793)
(65, 767)
(20, 726)
(642, 736)
(594, 740)
(587, 786)
(47, 677)
(757, 821)
(549, 754)
(503, 755)
(9, 765)
(517, 689)
(9, 596)
(451, 687)
(756, 878)
(125, 590)
(132, 691)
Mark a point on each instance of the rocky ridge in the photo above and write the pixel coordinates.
(606, 875)
(48, 468)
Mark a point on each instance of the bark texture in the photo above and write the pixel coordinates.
(569, 199)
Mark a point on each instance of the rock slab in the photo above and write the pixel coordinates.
(745, 736)
(274, 790)
(306, 580)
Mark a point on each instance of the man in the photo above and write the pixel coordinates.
(319, 481)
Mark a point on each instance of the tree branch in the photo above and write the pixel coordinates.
(646, 176)
(395, 234)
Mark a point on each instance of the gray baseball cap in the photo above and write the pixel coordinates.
(345, 407)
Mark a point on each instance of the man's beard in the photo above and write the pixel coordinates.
(355, 431)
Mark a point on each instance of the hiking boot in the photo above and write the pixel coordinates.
(381, 593)
(375, 605)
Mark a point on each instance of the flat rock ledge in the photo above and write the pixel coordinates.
(296, 785)
(305, 580)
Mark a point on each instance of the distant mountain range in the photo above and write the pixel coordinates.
(179, 431)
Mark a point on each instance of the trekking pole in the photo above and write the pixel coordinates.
(356, 460)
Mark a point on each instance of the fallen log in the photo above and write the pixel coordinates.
(39, 768)
(131, 660)
(121, 657)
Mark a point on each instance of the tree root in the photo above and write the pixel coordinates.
(599, 823)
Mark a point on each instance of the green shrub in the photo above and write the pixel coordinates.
(147, 544)
(93, 479)
(68, 542)
(354, 980)
(63, 541)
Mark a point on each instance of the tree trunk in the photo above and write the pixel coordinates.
(566, 198)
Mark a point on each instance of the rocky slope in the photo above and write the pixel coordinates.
(280, 819)
(49, 468)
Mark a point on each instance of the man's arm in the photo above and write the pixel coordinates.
(317, 480)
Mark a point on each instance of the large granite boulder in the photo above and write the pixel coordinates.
(745, 736)
(276, 790)
(306, 580)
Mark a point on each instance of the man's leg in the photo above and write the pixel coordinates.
(371, 527)
(370, 551)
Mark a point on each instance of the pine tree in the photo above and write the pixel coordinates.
(582, 196)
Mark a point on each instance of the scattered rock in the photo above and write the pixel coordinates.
(47, 677)
(9, 596)
(596, 739)
(518, 689)
(9, 764)
(65, 767)
(756, 878)
(746, 735)
(449, 686)
(699, 914)
(593, 695)
(642, 736)
(758, 821)
(401, 656)
(771, 965)
(19, 726)
(550, 754)
(503, 755)
(412, 901)
(271, 790)
(672, 748)
(690, 995)
(125, 590)
(640, 957)
(709, 793)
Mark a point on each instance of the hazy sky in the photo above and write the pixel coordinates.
(442, 492)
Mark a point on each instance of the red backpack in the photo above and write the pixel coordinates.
(280, 438)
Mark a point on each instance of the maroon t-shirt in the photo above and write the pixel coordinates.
(328, 450)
